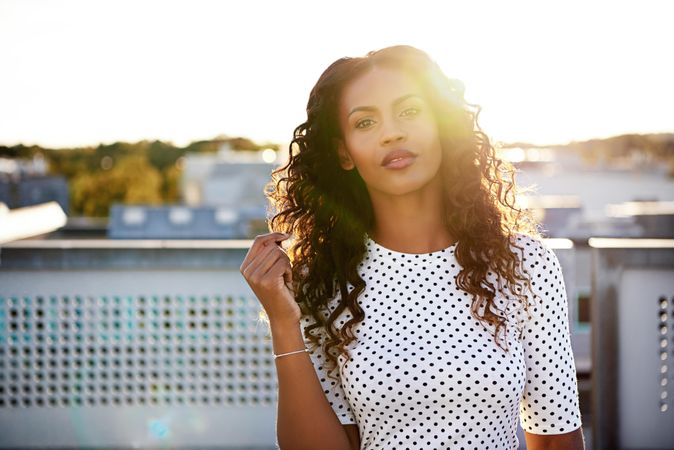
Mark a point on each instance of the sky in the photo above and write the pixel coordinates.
(84, 72)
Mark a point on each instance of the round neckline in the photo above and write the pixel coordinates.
(389, 252)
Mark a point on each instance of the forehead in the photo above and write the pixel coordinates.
(377, 87)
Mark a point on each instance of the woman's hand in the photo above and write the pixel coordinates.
(268, 272)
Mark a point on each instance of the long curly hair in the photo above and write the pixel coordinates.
(328, 210)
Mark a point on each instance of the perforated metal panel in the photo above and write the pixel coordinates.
(666, 352)
(153, 369)
(633, 344)
(645, 359)
(87, 351)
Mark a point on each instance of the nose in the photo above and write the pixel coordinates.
(392, 134)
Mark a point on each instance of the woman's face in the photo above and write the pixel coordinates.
(383, 114)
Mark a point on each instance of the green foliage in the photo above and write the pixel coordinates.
(133, 180)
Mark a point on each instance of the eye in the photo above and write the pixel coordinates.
(363, 123)
(412, 111)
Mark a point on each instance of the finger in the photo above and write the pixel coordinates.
(278, 268)
(288, 277)
(259, 259)
(275, 254)
(259, 243)
(262, 240)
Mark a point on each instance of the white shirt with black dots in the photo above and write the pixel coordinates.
(425, 374)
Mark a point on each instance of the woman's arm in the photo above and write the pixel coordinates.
(549, 407)
(305, 418)
(566, 441)
(354, 435)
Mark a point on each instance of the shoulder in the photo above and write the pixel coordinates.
(542, 267)
(544, 271)
(532, 250)
(538, 262)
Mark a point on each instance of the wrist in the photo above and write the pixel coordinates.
(283, 326)
(303, 350)
(286, 337)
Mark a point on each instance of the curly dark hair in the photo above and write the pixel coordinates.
(328, 210)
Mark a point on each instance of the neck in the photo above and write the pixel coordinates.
(411, 223)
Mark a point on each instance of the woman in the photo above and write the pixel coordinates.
(411, 273)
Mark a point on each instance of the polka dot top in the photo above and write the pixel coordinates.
(424, 373)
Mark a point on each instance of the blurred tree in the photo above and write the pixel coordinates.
(162, 155)
(170, 189)
(202, 147)
(132, 180)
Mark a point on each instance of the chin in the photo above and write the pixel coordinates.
(407, 187)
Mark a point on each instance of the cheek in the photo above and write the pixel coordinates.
(430, 131)
(429, 137)
(361, 149)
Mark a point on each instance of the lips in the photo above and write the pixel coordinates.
(396, 154)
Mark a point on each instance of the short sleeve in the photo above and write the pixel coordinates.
(549, 403)
(333, 389)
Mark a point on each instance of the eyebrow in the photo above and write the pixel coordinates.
(372, 108)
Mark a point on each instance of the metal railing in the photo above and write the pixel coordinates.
(147, 343)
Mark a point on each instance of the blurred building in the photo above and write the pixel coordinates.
(186, 222)
(26, 183)
(571, 193)
(232, 178)
(655, 219)
(223, 196)
(563, 216)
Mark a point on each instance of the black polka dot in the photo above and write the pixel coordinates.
(425, 373)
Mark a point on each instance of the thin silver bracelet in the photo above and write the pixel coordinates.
(290, 353)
